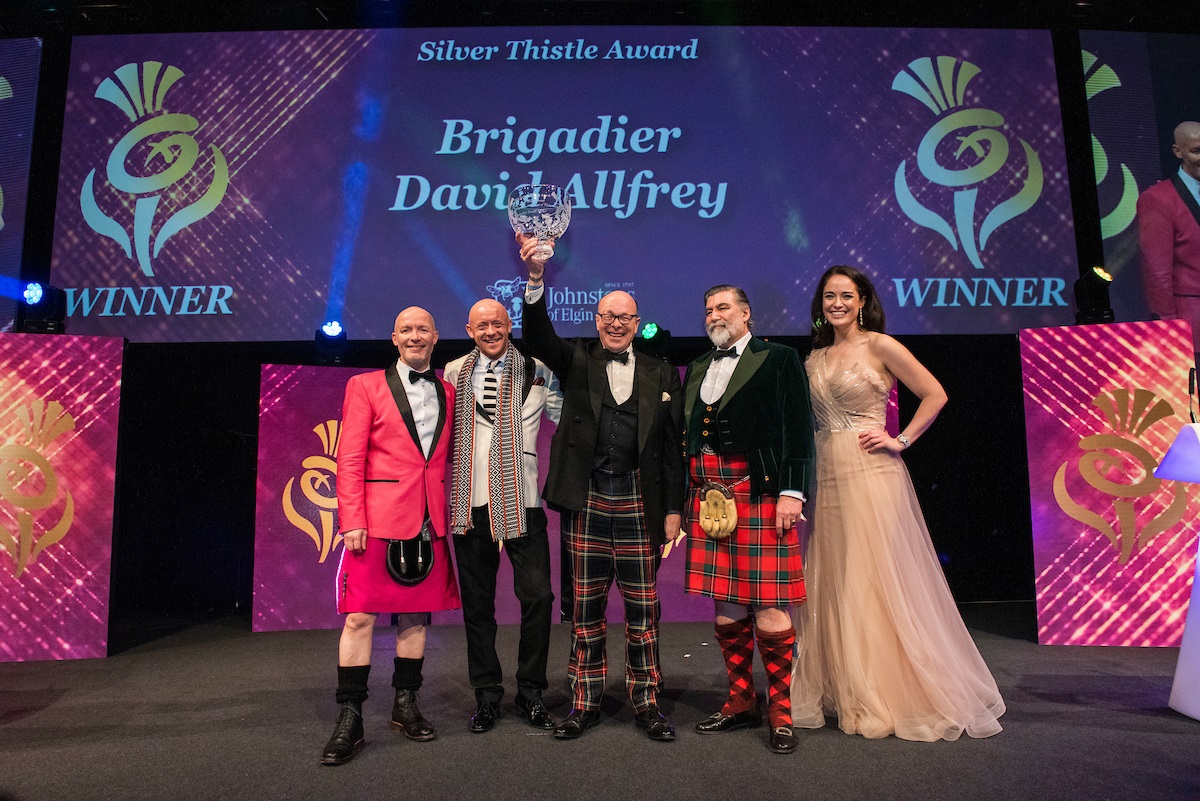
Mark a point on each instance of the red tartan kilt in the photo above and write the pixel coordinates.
(752, 566)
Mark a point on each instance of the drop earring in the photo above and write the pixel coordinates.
(860, 317)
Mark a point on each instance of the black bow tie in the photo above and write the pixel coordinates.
(415, 375)
(721, 354)
(622, 357)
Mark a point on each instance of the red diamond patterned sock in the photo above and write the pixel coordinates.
(737, 646)
(777, 648)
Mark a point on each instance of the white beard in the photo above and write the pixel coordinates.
(720, 336)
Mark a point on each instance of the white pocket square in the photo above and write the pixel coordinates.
(666, 396)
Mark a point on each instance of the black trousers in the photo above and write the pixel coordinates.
(478, 562)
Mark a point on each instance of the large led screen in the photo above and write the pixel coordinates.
(1140, 87)
(250, 186)
(19, 60)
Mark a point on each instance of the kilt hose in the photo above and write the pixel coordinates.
(753, 565)
(608, 540)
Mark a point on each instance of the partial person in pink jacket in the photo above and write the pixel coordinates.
(1168, 215)
(391, 489)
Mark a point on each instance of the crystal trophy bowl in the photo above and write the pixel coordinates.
(542, 211)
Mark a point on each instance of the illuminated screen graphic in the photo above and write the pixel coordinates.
(19, 60)
(251, 186)
(1134, 104)
(1114, 547)
(59, 405)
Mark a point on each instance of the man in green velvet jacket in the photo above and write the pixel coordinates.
(748, 436)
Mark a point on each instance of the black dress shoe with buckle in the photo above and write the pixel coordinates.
(407, 717)
(347, 737)
(783, 740)
(484, 718)
(716, 723)
(575, 722)
(657, 727)
(535, 713)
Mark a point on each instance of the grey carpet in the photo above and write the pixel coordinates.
(215, 712)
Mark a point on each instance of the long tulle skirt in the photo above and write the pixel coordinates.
(882, 645)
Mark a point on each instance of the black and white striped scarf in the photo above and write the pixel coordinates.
(506, 492)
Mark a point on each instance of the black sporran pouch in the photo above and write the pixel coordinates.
(410, 561)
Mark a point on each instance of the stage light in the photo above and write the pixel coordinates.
(1092, 304)
(654, 341)
(44, 309)
(330, 343)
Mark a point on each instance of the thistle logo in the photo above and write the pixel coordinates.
(510, 293)
(29, 484)
(166, 140)
(1100, 78)
(942, 88)
(314, 516)
(1117, 465)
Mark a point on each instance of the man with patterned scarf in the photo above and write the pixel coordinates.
(494, 505)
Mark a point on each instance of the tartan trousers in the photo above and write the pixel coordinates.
(608, 540)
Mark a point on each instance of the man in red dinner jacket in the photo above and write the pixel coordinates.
(1168, 215)
(391, 485)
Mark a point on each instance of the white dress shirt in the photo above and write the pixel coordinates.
(716, 377)
(422, 397)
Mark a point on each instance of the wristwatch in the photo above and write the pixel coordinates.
(903, 440)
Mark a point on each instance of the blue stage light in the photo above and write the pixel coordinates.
(44, 311)
(330, 341)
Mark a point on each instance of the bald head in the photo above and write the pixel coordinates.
(1187, 147)
(414, 336)
(488, 324)
(1185, 131)
(617, 296)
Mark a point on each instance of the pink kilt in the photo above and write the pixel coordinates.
(364, 584)
(752, 566)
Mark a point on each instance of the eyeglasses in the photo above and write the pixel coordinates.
(608, 317)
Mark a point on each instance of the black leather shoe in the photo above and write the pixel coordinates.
(484, 718)
(783, 740)
(407, 717)
(657, 727)
(347, 737)
(716, 723)
(535, 713)
(575, 722)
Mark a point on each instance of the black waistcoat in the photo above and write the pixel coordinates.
(616, 435)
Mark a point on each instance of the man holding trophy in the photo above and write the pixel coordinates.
(616, 476)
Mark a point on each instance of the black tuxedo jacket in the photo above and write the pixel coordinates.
(580, 367)
(764, 413)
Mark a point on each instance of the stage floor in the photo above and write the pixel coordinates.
(215, 712)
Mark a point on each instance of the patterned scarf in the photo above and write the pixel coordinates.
(506, 492)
